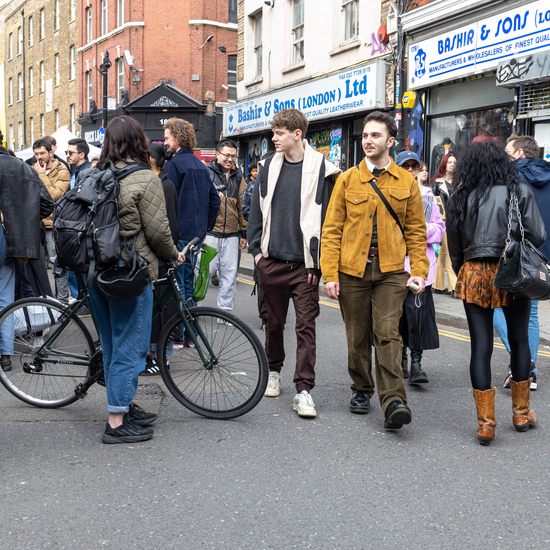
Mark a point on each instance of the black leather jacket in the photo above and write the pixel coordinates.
(25, 201)
(481, 232)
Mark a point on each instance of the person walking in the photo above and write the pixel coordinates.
(228, 235)
(477, 228)
(198, 200)
(374, 219)
(535, 172)
(424, 176)
(443, 187)
(284, 230)
(125, 323)
(418, 327)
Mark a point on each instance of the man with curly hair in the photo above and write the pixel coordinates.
(198, 200)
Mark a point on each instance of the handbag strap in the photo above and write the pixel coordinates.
(514, 205)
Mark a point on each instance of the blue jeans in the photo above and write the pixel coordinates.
(125, 332)
(73, 284)
(7, 295)
(499, 323)
(186, 281)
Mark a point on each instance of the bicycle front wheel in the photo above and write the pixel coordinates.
(229, 379)
(50, 353)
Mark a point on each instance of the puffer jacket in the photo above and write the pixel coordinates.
(347, 231)
(230, 218)
(482, 228)
(142, 212)
(57, 182)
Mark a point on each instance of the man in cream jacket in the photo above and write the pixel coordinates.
(284, 235)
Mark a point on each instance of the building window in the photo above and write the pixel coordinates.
(10, 46)
(297, 31)
(20, 135)
(31, 120)
(232, 11)
(120, 19)
(10, 91)
(104, 16)
(89, 19)
(350, 19)
(31, 81)
(19, 40)
(56, 15)
(73, 62)
(73, 10)
(120, 81)
(258, 44)
(57, 69)
(10, 136)
(90, 88)
(42, 126)
(31, 31)
(42, 24)
(19, 87)
(42, 76)
(232, 78)
(57, 119)
(73, 118)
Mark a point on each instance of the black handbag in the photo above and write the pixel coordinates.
(522, 269)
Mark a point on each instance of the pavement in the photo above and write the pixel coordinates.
(449, 311)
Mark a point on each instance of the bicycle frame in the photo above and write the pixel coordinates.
(184, 312)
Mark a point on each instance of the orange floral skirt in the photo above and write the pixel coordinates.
(475, 285)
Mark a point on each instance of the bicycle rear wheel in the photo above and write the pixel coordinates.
(47, 363)
(234, 380)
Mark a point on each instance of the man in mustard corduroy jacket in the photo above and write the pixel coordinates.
(363, 249)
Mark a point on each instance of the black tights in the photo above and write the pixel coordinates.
(480, 324)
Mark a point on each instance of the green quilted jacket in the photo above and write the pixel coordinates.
(142, 212)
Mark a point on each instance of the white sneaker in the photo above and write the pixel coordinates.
(273, 385)
(303, 404)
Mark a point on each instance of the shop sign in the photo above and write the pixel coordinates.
(479, 47)
(357, 89)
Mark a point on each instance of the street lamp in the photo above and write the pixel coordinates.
(103, 68)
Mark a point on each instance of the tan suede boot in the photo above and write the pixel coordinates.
(524, 418)
(485, 405)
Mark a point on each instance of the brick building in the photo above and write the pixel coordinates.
(40, 75)
(184, 62)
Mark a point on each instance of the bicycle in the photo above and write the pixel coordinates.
(55, 360)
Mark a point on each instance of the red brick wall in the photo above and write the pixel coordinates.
(165, 48)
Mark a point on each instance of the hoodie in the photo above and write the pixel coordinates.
(536, 174)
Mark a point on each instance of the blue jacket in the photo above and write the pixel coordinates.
(536, 173)
(198, 200)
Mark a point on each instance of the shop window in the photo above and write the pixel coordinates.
(328, 142)
(453, 133)
(232, 78)
(258, 59)
(297, 31)
(350, 20)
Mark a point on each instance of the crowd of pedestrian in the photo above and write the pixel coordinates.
(382, 237)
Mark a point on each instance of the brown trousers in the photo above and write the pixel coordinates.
(278, 282)
(371, 308)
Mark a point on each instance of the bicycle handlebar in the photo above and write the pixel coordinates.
(191, 246)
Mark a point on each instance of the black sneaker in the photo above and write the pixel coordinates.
(534, 385)
(151, 367)
(5, 363)
(127, 432)
(397, 414)
(140, 417)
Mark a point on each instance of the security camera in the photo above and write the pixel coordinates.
(128, 58)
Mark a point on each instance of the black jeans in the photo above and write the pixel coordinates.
(480, 324)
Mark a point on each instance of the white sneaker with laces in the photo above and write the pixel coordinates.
(273, 384)
(303, 404)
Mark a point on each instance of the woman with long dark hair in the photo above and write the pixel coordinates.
(477, 227)
(125, 323)
(442, 189)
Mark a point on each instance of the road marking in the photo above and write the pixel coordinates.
(445, 333)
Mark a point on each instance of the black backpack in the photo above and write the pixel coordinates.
(85, 221)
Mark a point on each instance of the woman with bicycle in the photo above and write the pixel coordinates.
(125, 323)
